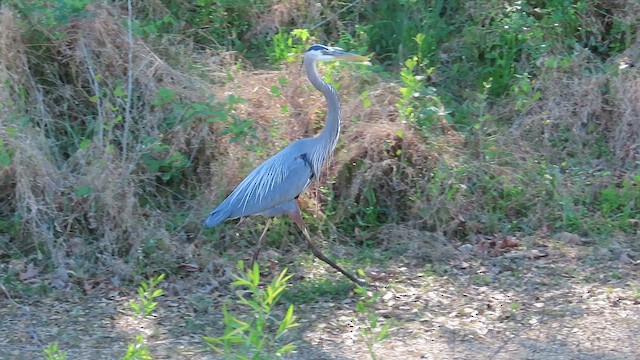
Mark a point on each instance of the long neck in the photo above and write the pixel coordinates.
(331, 131)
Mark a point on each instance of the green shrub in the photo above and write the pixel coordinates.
(257, 334)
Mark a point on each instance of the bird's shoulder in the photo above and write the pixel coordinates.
(281, 178)
(292, 159)
(300, 146)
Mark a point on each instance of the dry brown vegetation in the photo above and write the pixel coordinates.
(50, 165)
(118, 146)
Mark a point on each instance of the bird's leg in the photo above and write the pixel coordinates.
(240, 221)
(257, 251)
(298, 220)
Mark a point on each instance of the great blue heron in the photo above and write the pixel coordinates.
(273, 188)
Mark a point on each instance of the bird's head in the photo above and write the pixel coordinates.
(325, 53)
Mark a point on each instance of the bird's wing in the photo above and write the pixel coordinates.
(278, 180)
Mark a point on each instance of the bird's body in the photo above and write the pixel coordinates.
(275, 183)
(272, 188)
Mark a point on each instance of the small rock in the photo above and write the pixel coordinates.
(603, 254)
(569, 238)
(626, 259)
(537, 253)
(466, 248)
(173, 289)
(58, 284)
(62, 274)
(514, 255)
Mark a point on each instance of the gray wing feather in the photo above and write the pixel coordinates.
(278, 180)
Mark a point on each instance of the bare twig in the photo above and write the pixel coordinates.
(96, 90)
(127, 106)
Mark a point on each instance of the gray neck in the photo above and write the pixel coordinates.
(331, 131)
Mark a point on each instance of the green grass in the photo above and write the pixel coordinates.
(318, 291)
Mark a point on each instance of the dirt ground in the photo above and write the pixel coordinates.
(548, 300)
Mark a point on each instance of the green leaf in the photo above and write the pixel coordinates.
(83, 191)
(255, 277)
(286, 349)
(135, 307)
(241, 282)
(84, 144)
(287, 322)
(383, 332)
(219, 351)
(5, 159)
(373, 320)
(118, 92)
(163, 96)
(303, 34)
(283, 81)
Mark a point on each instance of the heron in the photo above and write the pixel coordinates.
(272, 189)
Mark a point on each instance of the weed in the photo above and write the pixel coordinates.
(51, 352)
(391, 26)
(419, 103)
(619, 204)
(636, 292)
(258, 335)
(147, 293)
(431, 270)
(5, 155)
(202, 304)
(614, 275)
(137, 350)
(481, 280)
(52, 15)
(515, 306)
(525, 92)
(287, 44)
(313, 291)
(372, 331)
(207, 22)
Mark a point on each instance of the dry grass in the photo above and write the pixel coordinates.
(584, 103)
(625, 107)
(415, 244)
(584, 108)
(77, 191)
(278, 15)
(571, 110)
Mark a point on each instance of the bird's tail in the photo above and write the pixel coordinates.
(216, 217)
